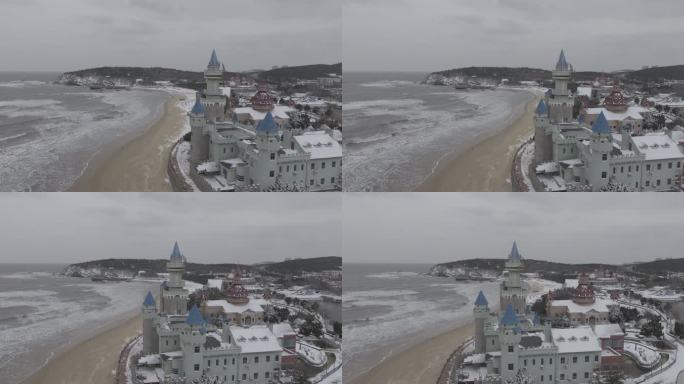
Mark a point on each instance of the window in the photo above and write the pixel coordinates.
(232, 377)
(564, 150)
(224, 149)
(233, 361)
(669, 181)
(637, 168)
(256, 359)
(217, 362)
(586, 359)
(604, 175)
(272, 156)
(287, 169)
(311, 182)
(256, 375)
(648, 183)
(335, 163)
(268, 358)
(596, 358)
(525, 362)
(196, 367)
(175, 342)
(197, 349)
(332, 180)
(613, 170)
(669, 165)
(637, 184)
(276, 357)
(550, 360)
(659, 166)
(574, 359)
(542, 378)
(313, 165)
(244, 360)
(679, 164)
(510, 348)
(541, 361)
(658, 182)
(323, 165)
(167, 342)
(562, 376)
(622, 169)
(629, 169)
(648, 167)
(271, 173)
(322, 180)
(280, 169)
(534, 361)
(244, 376)
(225, 361)
(574, 376)
(604, 157)
(586, 375)
(208, 363)
(267, 374)
(550, 377)
(510, 367)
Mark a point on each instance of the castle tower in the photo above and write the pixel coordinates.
(510, 335)
(173, 293)
(481, 312)
(199, 140)
(192, 342)
(513, 290)
(543, 144)
(600, 147)
(268, 143)
(214, 100)
(150, 338)
(561, 102)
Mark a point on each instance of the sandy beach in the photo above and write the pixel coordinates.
(92, 361)
(421, 363)
(486, 166)
(139, 164)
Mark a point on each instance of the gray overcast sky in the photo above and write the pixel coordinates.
(210, 228)
(572, 227)
(430, 35)
(47, 35)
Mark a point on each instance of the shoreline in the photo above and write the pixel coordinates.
(411, 365)
(138, 163)
(93, 360)
(485, 166)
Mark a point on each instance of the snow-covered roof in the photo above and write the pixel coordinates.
(573, 340)
(278, 112)
(605, 331)
(319, 144)
(657, 146)
(215, 283)
(600, 305)
(584, 91)
(255, 339)
(208, 167)
(254, 305)
(282, 329)
(633, 111)
(571, 283)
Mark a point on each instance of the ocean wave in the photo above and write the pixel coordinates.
(386, 83)
(8, 138)
(392, 275)
(22, 83)
(384, 104)
(33, 103)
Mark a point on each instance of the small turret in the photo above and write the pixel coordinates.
(601, 145)
(150, 338)
(481, 313)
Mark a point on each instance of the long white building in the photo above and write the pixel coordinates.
(178, 343)
(598, 151)
(227, 155)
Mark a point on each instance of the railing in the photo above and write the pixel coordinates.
(124, 356)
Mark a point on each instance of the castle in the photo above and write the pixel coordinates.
(516, 346)
(178, 343)
(603, 148)
(228, 155)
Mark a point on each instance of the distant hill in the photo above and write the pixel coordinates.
(659, 267)
(305, 72)
(514, 74)
(133, 73)
(531, 265)
(672, 72)
(318, 264)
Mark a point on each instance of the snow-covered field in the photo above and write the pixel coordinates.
(314, 355)
(645, 355)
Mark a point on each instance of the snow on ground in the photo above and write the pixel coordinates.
(332, 374)
(193, 287)
(644, 354)
(183, 159)
(313, 355)
(539, 287)
(525, 162)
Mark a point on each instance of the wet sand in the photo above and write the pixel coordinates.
(486, 166)
(140, 164)
(92, 361)
(421, 363)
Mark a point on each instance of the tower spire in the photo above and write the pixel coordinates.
(515, 255)
(213, 61)
(562, 64)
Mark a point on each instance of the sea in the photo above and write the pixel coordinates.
(390, 307)
(49, 132)
(397, 130)
(42, 314)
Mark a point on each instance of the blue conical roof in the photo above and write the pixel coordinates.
(267, 125)
(176, 253)
(562, 64)
(515, 255)
(536, 320)
(510, 318)
(541, 108)
(195, 317)
(198, 108)
(601, 125)
(481, 299)
(149, 300)
(213, 62)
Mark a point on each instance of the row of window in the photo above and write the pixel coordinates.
(267, 375)
(587, 358)
(244, 359)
